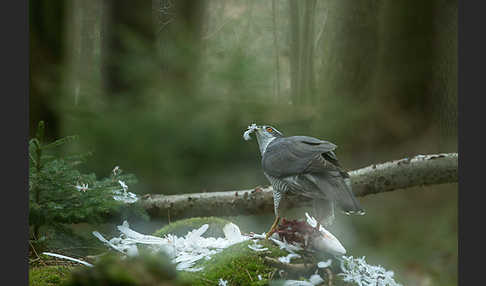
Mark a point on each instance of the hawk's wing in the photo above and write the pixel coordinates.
(311, 164)
(294, 155)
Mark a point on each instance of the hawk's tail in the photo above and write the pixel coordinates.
(348, 202)
(338, 188)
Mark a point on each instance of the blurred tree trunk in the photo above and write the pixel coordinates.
(302, 14)
(179, 34)
(276, 88)
(417, 64)
(46, 49)
(83, 22)
(445, 79)
(294, 48)
(406, 54)
(91, 12)
(399, 57)
(307, 52)
(129, 39)
(350, 47)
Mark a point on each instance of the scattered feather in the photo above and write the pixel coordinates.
(233, 234)
(357, 270)
(185, 251)
(297, 283)
(109, 243)
(324, 264)
(68, 258)
(286, 259)
(256, 235)
(316, 279)
(123, 185)
(124, 196)
(286, 246)
(257, 247)
(222, 282)
(82, 187)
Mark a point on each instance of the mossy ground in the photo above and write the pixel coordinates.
(240, 265)
(48, 275)
(237, 264)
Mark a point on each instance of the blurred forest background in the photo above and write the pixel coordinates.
(164, 89)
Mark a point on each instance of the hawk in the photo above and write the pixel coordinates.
(304, 168)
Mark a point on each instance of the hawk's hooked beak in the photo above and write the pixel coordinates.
(259, 131)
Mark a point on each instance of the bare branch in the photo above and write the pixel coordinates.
(420, 170)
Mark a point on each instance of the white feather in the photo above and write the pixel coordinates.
(68, 258)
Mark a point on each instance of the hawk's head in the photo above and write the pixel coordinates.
(265, 134)
(267, 131)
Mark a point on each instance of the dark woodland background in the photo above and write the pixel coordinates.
(164, 89)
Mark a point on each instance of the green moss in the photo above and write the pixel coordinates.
(182, 227)
(48, 275)
(237, 264)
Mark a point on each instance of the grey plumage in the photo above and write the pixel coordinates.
(305, 167)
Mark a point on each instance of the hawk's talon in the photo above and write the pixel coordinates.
(273, 228)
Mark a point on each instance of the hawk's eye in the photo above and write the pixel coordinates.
(269, 129)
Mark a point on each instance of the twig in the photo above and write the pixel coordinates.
(35, 252)
(273, 274)
(329, 276)
(290, 267)
(168, 215)
(249, 274)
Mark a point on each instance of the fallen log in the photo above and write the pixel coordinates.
(421, 170)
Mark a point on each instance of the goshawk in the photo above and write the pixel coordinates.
(304, 168)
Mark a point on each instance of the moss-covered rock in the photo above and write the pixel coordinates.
(238, 264)
(48, 275)
(182, 227)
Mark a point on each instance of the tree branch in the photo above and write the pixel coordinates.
(420, 170)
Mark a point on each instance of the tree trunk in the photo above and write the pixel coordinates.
(179, 34)
(307, 52)
(294, 49)
(302, 15)
(47, 53)
(351, 47)
(82, 40)
(275, 44)
(126, 22)
(445, 72)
